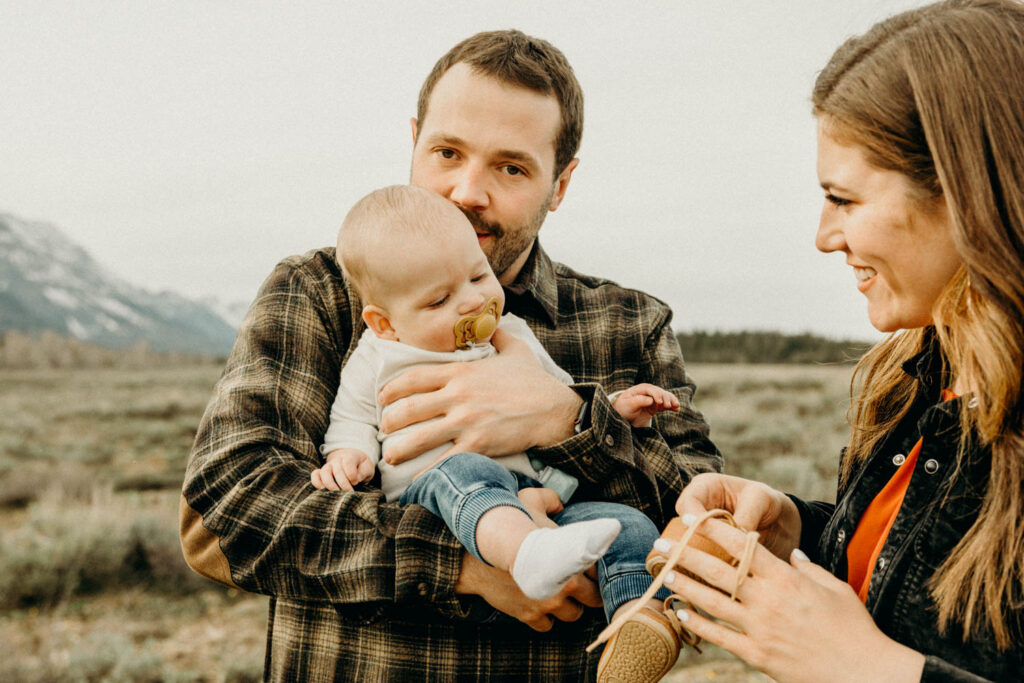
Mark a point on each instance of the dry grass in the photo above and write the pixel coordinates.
(92, 584)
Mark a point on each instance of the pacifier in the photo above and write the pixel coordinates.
(473, 329)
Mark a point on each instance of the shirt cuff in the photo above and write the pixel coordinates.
(603, 443)
(428, 560)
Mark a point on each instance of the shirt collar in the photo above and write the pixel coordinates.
(535, 286)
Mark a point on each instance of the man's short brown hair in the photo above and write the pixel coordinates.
(518, 59)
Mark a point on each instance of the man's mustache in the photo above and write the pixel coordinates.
(482, 226)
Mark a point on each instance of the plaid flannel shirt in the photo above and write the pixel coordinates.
(363, 589)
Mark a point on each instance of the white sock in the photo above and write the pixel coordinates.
(548, 558)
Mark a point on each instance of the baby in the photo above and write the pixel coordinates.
(430, 297)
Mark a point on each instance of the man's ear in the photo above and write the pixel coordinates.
(414, 124)
(376, 318)
(562, 183)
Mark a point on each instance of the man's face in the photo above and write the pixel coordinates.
(489, 147)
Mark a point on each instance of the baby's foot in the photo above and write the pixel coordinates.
(548, 558)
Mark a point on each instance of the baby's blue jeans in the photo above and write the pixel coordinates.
(461, 488)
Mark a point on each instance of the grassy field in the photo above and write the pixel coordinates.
(92, 584)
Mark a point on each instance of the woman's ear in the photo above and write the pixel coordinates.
(376, 318)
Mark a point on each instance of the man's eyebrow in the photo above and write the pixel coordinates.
(524, 158)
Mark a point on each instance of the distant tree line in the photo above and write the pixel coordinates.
(767, 347)
(20, 351)
(50, 350)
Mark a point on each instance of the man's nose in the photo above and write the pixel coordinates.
(470, 188)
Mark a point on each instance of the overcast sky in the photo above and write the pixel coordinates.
(191, 145)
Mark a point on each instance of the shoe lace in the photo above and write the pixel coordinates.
(742, 565)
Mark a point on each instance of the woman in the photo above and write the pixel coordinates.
(921, 576)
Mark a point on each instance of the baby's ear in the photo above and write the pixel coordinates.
(376, 318)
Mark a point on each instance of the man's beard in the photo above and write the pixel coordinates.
(509, 243)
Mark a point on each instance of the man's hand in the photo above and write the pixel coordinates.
(501, 592)
(344, 469)
(541, 503)
(497, 406)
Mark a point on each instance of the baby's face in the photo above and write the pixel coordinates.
(437, 281)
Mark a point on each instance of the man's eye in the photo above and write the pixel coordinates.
(446, 153)
(838, 201)
(513, 170)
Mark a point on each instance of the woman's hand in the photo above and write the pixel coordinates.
(794, 621)
(754, 507)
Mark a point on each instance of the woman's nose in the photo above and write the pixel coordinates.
(830, 235)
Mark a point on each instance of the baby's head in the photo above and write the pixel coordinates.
(416, 263)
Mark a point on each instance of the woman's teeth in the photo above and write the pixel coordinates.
(864, 273)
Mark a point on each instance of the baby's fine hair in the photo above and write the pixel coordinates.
(380, 226)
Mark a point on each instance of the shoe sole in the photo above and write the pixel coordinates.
(644, 653)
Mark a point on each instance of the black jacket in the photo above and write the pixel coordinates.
(941, 504)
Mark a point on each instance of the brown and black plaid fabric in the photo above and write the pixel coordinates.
(364, 589)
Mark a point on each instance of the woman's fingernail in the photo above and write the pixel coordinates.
(669, 578)
(800, 555)
(684, 615)
(688, 519)
(662, 545)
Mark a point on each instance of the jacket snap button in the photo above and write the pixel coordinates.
(881, 563)
(931, 466)
(609, 441)
(841, 536)
(899, 459)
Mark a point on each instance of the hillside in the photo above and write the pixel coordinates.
(49, 283)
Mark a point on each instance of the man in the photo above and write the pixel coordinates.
(367, 590)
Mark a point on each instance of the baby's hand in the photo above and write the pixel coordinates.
(344, 469)
(640, 403)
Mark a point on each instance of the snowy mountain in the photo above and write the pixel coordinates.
(49, 283)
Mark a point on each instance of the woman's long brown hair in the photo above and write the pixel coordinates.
(935, 94)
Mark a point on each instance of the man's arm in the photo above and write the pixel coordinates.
(645, 468)
(507, 404)
(249, 515)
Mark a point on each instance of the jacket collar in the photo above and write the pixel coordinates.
(536, 285)
(926, 365)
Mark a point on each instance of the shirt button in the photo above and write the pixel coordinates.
(931, 466)
(587, 459)
(422, 590)
(609, 441)
(899, 459)
(841, 536)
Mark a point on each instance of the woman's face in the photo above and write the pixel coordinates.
(901, 250)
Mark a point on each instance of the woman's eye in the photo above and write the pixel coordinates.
(838, 201)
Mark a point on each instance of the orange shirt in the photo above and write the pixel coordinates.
(873, 529)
